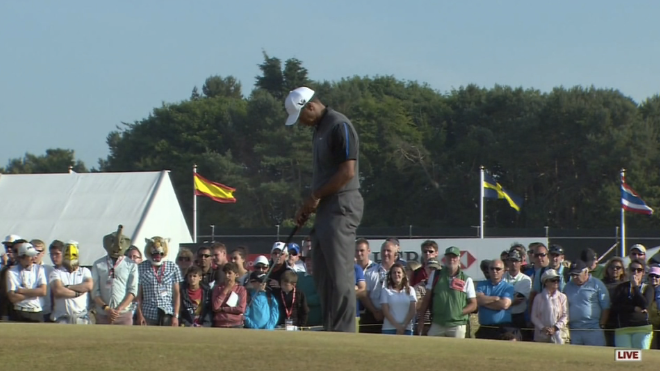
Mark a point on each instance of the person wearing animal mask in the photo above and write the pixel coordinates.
(115, 280)
(70, 286)
(159, 296)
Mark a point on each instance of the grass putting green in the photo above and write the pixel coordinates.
(65, 347)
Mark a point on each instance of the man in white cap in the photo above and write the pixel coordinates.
(278, 255)
(26, 284)
(338, 204)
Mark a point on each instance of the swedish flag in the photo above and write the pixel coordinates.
(492, 189)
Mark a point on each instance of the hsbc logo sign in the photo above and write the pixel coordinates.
(466, 260)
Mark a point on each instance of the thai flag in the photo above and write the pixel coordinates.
(630, 201)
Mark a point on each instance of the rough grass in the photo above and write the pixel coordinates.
(65, 347)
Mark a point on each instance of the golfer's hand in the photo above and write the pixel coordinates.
(307, 209)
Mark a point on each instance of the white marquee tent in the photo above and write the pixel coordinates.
(87, 206)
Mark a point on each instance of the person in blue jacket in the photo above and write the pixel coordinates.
(263, 311)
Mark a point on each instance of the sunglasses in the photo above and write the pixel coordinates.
(616, 267)
(205, 256)
(637, 270)
(261, 267)
(183, 259)
(496, 269)
(654, 276)
(541, 255)
(553, 280)
(293, 253)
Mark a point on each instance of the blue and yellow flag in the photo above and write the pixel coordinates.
(492, 189)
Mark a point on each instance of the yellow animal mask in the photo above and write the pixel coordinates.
(156, 249)
(71, 255)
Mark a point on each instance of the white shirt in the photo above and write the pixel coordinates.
(298, 267)
(70, 306)
(521, 284)
(374, 277)
(467, 289)
(399, 304)
(27, 279)
(45, 300)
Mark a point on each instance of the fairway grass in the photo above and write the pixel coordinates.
(60, 347)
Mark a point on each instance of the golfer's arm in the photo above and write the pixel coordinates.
(344, 174)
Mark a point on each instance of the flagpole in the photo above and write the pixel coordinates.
(194, 206)
(623, 216)
(481, 203)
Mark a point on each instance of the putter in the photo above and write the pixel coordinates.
(270, 269)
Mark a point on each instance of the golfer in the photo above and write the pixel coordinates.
(338, 204)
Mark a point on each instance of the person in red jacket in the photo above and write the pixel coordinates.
(229, 299)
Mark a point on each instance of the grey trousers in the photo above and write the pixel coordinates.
(333, 254)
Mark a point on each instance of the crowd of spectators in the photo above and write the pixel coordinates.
(529, 293)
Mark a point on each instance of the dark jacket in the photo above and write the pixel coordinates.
(626, 298)
(299, 311)
(187, 311)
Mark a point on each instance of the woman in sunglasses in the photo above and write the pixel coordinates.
(654, 313)
(630, 305)
(615, 274)
(550, 311)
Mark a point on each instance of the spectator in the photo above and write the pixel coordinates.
(229, 299)
(262, 312)
(159, 297)
(238, 256)
(360, 292)
(630, 304)
(46, 301)
(219, 251)
(590, 257)
(292, 302)
(522, 286)
(550, 311)
(6, 307)
(494, 298)
(614, 275)
(504, 255)
(424, 319)
(362, 253)
(115, 281)
(6, 254)
(451, 297)
(195, 306)
(530, 269)
(27, 284)
(184, 260)
(135, 255)
(293, 261)
(70, 286)
(557, 263)
(307, 286)
(654, 313)
(541, 263)
(261, 264)
(56, 251)
(484, 266)
(371, 321)
(429, 253)
(279, 256)
(588, 306)
(205, 262)
(398, 301)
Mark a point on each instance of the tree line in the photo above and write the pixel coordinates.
(420, 150)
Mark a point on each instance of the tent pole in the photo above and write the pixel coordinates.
(194, 206)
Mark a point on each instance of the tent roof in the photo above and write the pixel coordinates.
(86, 206)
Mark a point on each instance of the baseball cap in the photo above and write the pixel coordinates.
(655, 270)
(11, 238)
(639, 247)
(589, 255)
(261, 260)
(549, 274)
(294, 103)
(453, 250)
(577, 267)
(556, 250)
(257, 276)
(514, 256)
(278, 246)
(26, 249)
(433, 264)
(293, 247)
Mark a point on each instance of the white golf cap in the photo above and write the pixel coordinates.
(26, 249)
(294, 103)
(11, 238)
(278, 246)
(639, 247)
(261, 260)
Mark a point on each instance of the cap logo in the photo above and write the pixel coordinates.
(302, 102)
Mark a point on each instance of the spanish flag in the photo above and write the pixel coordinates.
(215, 191)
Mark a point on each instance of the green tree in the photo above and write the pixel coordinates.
(56, 160)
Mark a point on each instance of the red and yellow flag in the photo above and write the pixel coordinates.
(215, 191)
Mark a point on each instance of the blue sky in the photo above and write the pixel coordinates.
(70, 71)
